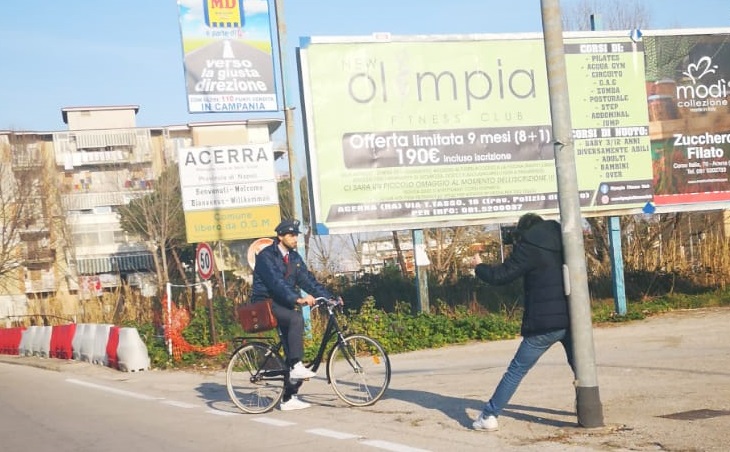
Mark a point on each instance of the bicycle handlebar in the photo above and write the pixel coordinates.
(324, 301)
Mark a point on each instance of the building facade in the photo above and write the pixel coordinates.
(69, 245)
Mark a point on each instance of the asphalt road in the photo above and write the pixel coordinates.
(664, 386)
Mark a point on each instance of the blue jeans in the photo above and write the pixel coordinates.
(530, 350)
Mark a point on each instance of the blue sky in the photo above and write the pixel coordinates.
(70, 53)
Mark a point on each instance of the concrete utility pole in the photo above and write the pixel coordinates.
(296, 197)
(590, 412)
(288, 114)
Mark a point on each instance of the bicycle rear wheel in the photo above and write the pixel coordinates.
(359, 370)
(255, 378)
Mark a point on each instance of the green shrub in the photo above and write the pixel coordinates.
(398, 330)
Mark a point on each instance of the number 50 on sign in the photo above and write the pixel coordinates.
(205, 260)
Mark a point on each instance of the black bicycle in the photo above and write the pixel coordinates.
(358, 368)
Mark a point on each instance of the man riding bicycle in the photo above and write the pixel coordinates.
(280, 274)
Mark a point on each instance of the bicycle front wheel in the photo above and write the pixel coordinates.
(359, 370)
(255, 378)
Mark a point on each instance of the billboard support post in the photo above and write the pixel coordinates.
(421, 261)
(617, 265)
(614, 235)
(588, 403)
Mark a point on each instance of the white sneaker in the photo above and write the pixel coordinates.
(488, 423)
(299, 372)
(294, 404)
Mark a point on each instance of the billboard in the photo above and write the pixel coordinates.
(228, 60)
(429, 131)
(228, 192)
(688, 89)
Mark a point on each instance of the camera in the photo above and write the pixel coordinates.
(508, 234)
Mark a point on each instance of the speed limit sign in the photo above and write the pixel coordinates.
(204, 258)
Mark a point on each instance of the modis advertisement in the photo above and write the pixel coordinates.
(688, 89)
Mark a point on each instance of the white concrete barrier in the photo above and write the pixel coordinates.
(90, 343)
(35, 344)
(41, 340)
(100, 340)
(44, 342)
(93, 342)
(86, 344)
(79, 335)
(26, 341)
(132, 352)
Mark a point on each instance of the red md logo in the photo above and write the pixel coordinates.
(224, 13)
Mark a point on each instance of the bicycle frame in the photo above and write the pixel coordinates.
(332, 330)
(273, 348)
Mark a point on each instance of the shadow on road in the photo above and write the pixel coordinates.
(457, 408)
(215, 395)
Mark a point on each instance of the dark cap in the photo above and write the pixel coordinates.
(288, 227)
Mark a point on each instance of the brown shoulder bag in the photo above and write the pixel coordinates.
(257, 317)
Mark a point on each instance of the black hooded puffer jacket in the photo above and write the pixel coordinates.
(538, 257)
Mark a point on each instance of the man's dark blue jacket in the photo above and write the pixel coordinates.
(276, 280)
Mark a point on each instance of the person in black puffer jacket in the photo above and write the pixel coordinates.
(537, 257)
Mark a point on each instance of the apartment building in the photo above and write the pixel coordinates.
(71, 247)
(26, 244)
(102, 162)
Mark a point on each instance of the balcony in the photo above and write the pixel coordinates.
(104, 147)
(94, 158)
(37, 248)
(47, 283)
(88, 201)
(123, 262)
(38, 256)
(27, 159)
(35, 233)
(105, 139)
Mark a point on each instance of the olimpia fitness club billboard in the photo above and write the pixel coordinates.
(413, 132)
(410, 133)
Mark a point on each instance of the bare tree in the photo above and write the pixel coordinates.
(158, 218)
(353, 241)
(22, 205)
(333, 254)
(454, 247)
(614, 14)
(322, 255)
(399, 255)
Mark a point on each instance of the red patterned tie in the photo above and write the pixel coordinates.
(286, 258)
